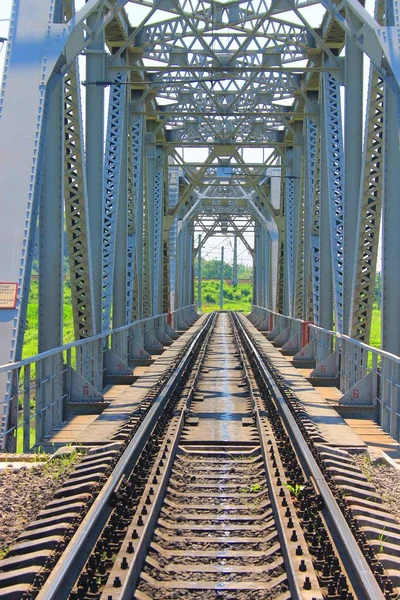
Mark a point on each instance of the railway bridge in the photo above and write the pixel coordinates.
(133, 132)
(256, 120)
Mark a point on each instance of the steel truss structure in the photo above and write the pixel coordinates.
(224, 118)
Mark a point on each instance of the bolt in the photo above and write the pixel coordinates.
(124, 563)
(134, 535)
(290, 523)
(117, 582)
(299, 552)
(303, 566)
(294, 536)
(307, 584)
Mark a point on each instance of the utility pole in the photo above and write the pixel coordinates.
(221, 289)
(235, 269)
(199, 276)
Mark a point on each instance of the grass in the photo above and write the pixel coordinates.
(375, 337)
(31, 332)
(234, 297)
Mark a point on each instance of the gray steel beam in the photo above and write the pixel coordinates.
(137, 127)
(298, 149)
(51, 225)
(390, 229)
(325, 246)
(120, 282)
(352, 164)
(94, 133)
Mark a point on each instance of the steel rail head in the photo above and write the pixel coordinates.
(358, 570)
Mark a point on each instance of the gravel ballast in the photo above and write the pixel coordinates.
(386, 480)
(24, 491)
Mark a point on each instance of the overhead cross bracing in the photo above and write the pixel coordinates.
(213, 109)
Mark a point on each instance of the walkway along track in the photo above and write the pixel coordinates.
(216, 495)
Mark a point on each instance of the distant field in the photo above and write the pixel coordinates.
(235, 297)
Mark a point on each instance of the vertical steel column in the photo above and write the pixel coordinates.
(288, 283)
(173, 198)
(51, 225)
(268, 273)
(155, 215)
(334, 167)
(199, 275)
(131, 235)
(257, 265)
(94, 132)
(121, 275)
(310, 140)
(352, 165)
(111, 190)
(299, 296)
(263, 280)
(325, 287)
(297, 213)
(190, 260)
(76, 203)
(370, 204)
(390, 229)
(221, 282)
(151, 217)
(235, 265)
(158, 250)
(180, 265)
(316, 224)
(137, 140)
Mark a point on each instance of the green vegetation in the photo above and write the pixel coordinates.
(211, 269)
(294, 489)
(31, 332)
(251, 489)
(237, 297)
(375, 337)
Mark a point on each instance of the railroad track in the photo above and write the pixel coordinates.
(214, 491)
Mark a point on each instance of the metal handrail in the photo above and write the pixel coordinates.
(99, 336)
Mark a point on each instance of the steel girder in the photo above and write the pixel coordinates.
(290, 241)
(76, 209)
(335, 175)
(111, 190)
(137, 144)
(370, 204)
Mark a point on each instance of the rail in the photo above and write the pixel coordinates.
(367, 376)
(40, 387)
